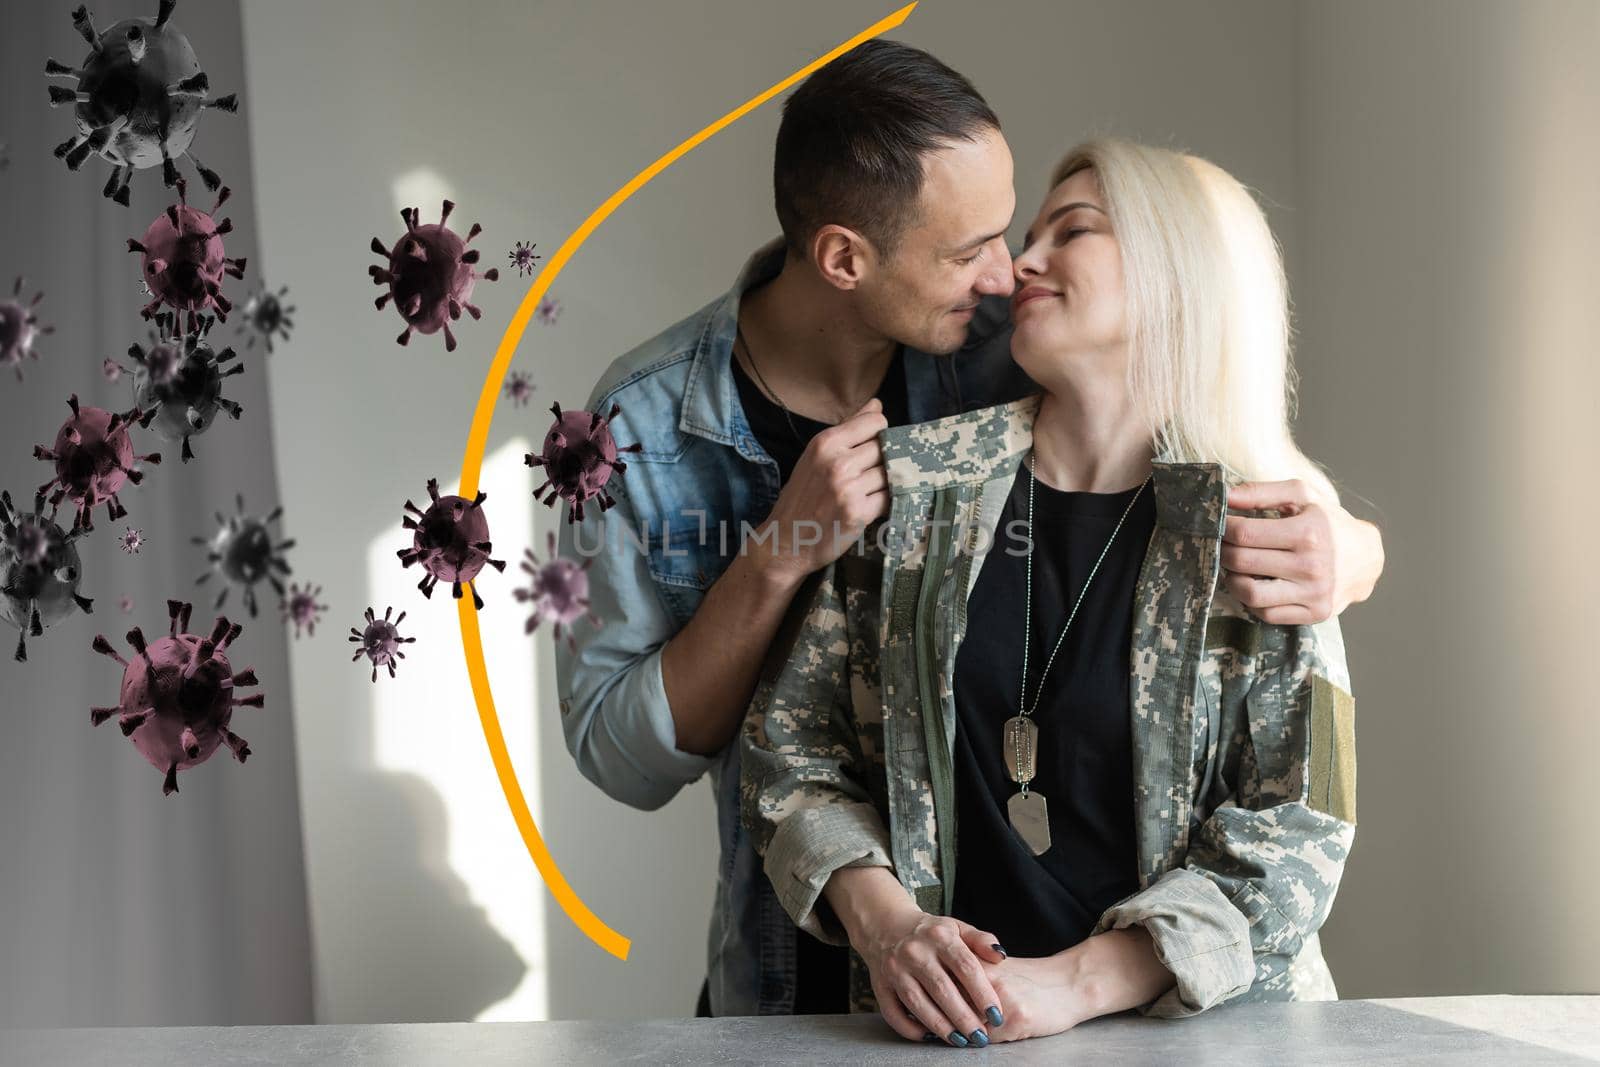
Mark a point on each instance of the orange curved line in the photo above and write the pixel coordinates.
(472, 463)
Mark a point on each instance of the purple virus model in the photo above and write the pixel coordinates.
(301, 608)
(523, 257)
(112, 370)
(548, 311)
(579, 457)
(559, 592)
(19, 328)
(241, 553)
(430, 275)
(520, 388)
(178, 382)
(451, 541)
(183, 260)
(177, 696)
(380, 641)
(126, 603)
(266, 317)
(39, 571)
(131, 540)
(94, 458)
(139, 97)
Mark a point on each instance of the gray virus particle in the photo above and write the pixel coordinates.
(451, 541)
(430, 275)
(301, 608)
(39, 571)
(242, 553)
(177, 696)
(19, 328)
(93, 459)
(520, 388)
(267, 317)
(559, 592)
(548, 311)
(178, 382)
(380, 641)
(131, 540)
(138, 100)
(523, 257)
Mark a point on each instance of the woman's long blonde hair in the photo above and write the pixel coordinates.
(1207, 312)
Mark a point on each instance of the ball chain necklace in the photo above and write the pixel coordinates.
(1027, 809)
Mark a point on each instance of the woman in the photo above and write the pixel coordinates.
(1028, 714)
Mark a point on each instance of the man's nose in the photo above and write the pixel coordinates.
(998, 280)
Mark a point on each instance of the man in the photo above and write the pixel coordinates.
(885, 303)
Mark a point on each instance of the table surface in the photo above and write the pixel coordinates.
(1488, 1030)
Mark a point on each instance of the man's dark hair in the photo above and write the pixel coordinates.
(851, 142)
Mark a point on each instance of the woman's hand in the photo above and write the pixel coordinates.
(928, 971)
(1109, 972)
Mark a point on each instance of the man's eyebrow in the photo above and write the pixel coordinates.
(1058, 212)
(976, 242)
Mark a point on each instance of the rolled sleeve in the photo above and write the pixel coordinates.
(809, 846)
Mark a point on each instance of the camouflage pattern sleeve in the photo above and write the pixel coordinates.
(1239, 918)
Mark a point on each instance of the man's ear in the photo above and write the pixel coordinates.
(843, 257)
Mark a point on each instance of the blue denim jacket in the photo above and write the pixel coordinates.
(701, 474)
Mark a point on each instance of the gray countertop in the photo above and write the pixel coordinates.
(1488, 1030)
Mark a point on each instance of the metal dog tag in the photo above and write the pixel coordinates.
(1019, 743)
(1031, 820)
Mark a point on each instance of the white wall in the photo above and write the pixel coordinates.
(532, 114)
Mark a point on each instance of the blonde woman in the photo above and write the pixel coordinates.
(1023, 753)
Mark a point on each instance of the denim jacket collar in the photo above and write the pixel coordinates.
(711, 407)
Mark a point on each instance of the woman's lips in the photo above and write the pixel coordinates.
(1028, 296)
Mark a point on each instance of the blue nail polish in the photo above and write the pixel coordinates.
(957, 1040)
(930, 1036)
(980, 1038)
(995, 1018)
(1003, 953)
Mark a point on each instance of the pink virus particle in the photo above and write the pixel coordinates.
(139, 97)
(380, 641)
(520, 388)
(19, 328)
(112, 370)
(430, 275)
(177, 695)
(548, 311)
(301, 608)
(178, 382)
(241, 553)
(94, 459)
(579, 457)
(39, 571)
(183, 260)
(131, 540)
(266, 317)
(523, 257)
(450, 540)
(558, 589)
(126, 603)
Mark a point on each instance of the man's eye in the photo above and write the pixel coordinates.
(970, 259)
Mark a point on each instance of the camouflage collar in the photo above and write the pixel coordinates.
(976, 446)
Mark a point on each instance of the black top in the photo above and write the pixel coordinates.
(822, 971)
(1039, 905)
(771, 427)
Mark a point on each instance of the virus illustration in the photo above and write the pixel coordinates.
(559, 591)
(178, 382)
(266, 317)
(139, 97)
(177, 697)
(241, 553)
(579, 457)
(548, 311)
(523, 257)
(112, 370)
(131, 540)
(430, 276)
(380, 641)
(301, 608)
(451, 542)
(94, 459)
(520, 388)
(19, 328)
(183, 259)
(39, 571)
(126, 603)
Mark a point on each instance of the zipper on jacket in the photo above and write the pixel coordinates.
(940, 771)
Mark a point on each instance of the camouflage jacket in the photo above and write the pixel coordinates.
(1243, 732)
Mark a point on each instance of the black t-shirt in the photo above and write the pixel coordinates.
(1039, 905)
(822, 971)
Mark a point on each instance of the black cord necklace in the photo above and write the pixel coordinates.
(765, 388)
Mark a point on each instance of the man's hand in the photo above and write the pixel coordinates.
(839, 481)
(1303, 568)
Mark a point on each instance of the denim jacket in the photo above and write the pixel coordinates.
(700, 474)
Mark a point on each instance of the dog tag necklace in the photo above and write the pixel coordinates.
(1029, 813)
